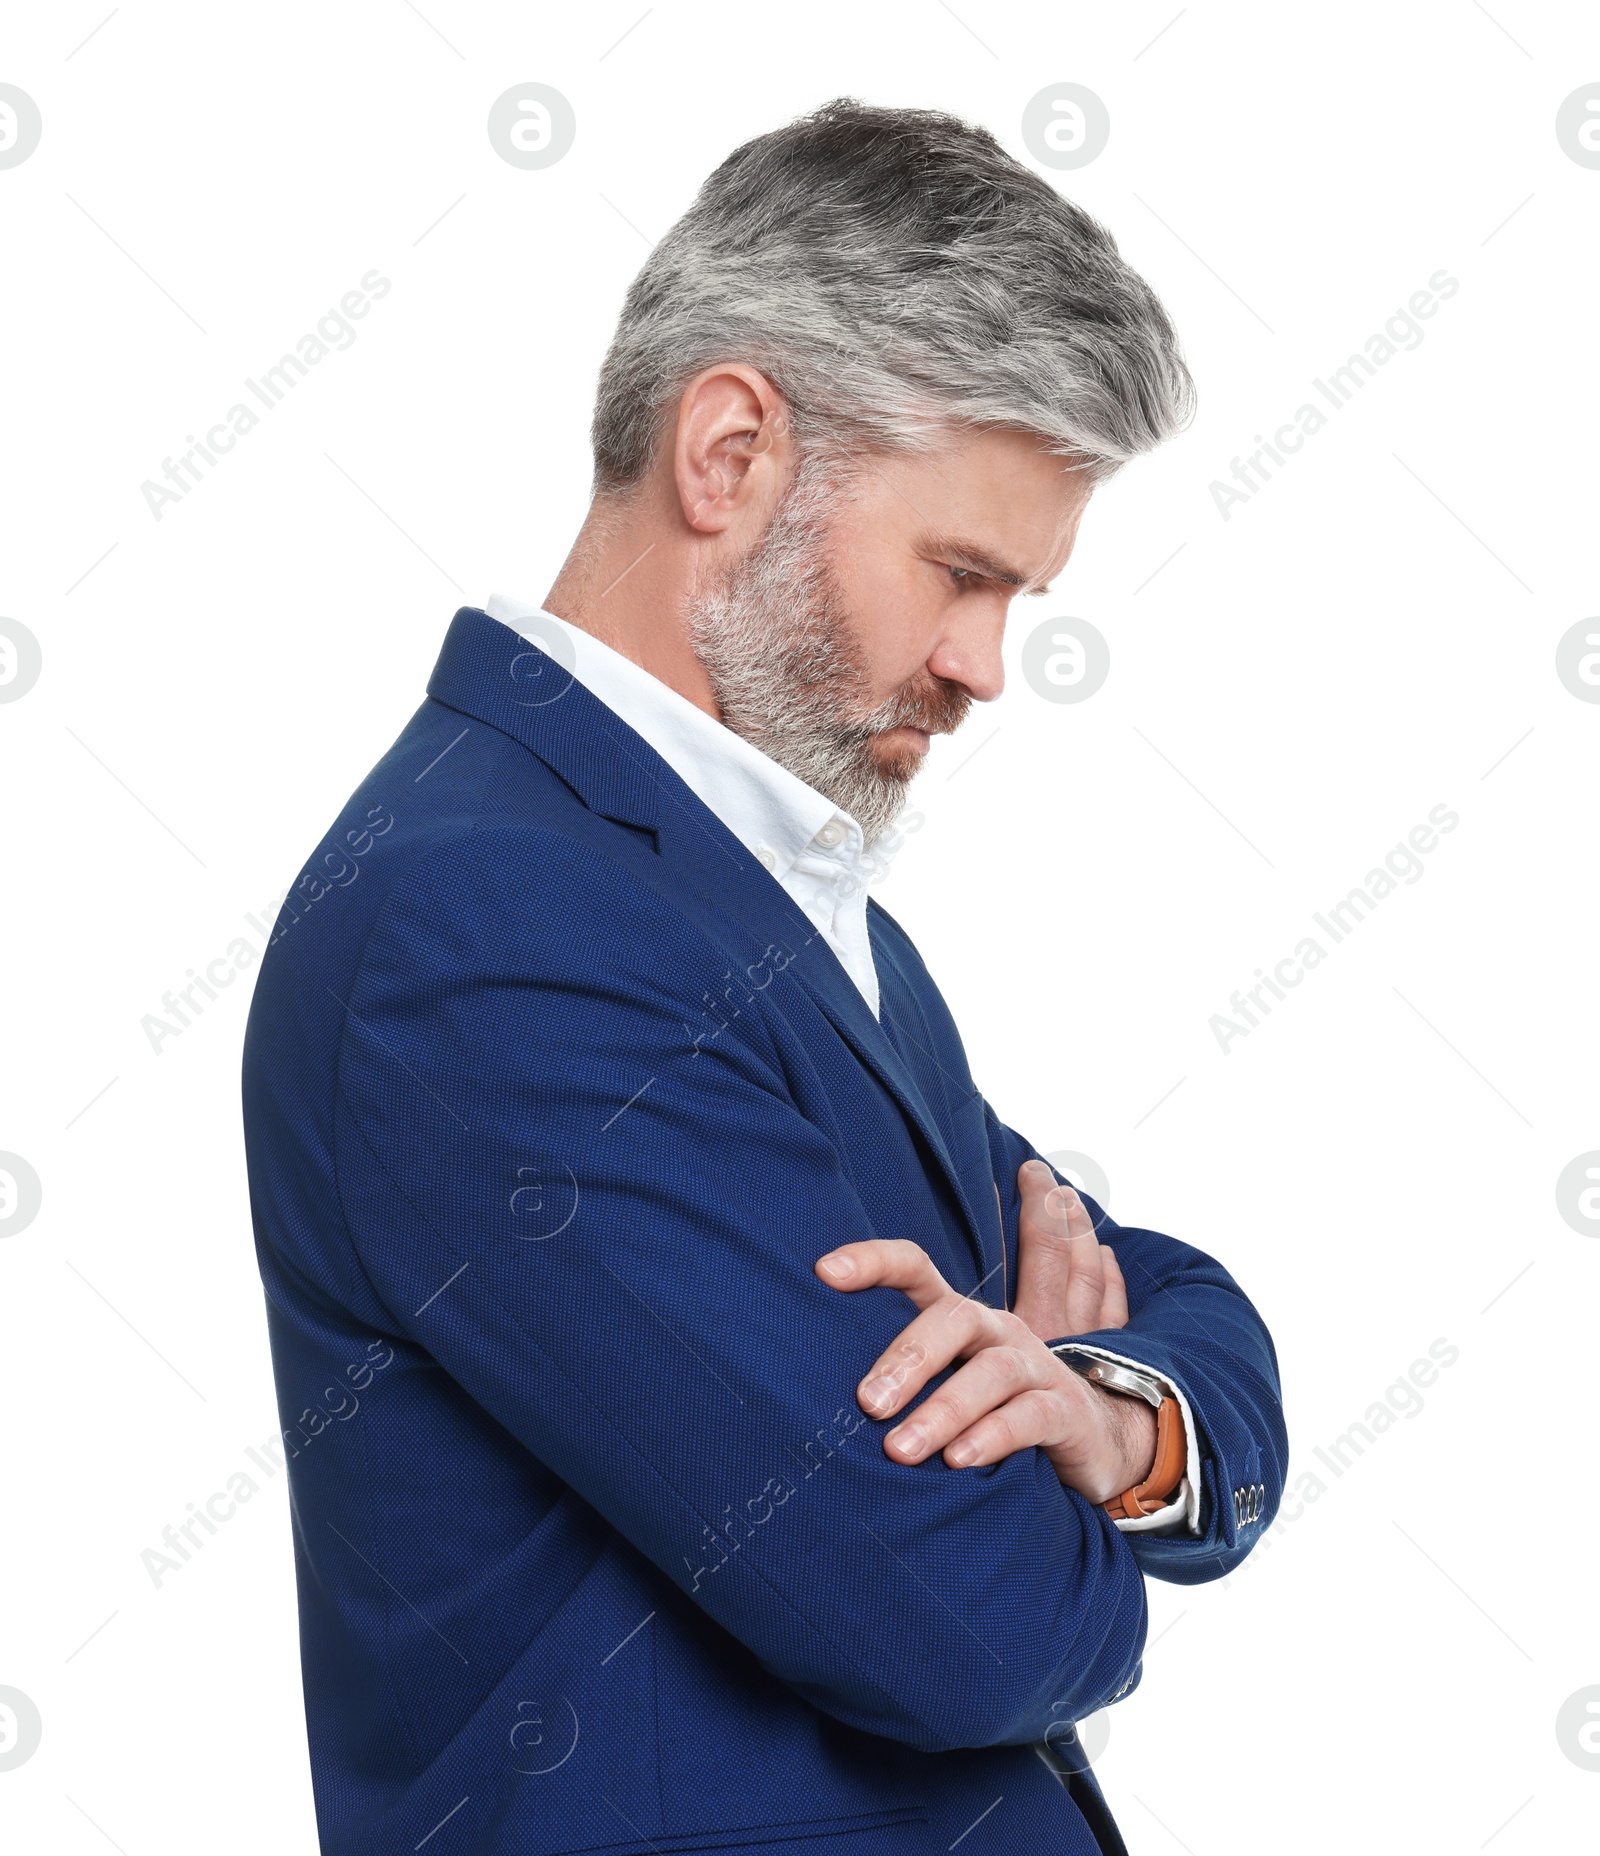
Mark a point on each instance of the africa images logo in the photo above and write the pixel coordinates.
(1402, 865)
(335, 329)
(1402, 330)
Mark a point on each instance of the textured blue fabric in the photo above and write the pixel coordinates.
(552, 1100)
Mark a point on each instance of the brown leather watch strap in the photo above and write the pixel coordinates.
(1165, 1473)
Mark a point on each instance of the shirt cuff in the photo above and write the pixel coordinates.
(1184, 1508)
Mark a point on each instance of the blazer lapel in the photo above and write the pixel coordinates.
(756, 900)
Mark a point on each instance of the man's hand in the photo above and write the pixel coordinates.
(1012, 1393)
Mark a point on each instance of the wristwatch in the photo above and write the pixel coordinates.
(1159, 1487)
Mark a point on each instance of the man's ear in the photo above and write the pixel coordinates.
(732, 451)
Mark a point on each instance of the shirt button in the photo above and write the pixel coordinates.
(767, 859)
(831, 834)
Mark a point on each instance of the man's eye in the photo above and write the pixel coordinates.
(959, 573)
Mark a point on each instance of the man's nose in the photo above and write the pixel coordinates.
(969, 654)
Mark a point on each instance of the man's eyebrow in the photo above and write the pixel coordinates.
(969, 554)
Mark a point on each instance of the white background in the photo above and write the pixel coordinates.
(1371, 635)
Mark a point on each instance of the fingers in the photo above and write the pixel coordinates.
(893, 1261)
(1039, 1416)
(1060, 1265)
(982, 1392)
(1114, 1301)
(1086, 1285)
(1044, 1254)
(952, 1328)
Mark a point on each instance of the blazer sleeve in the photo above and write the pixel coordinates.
(603, 1227)
(1192, 1324)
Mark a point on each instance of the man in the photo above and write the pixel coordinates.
(660, 1316)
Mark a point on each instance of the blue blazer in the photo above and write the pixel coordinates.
(552, 1099)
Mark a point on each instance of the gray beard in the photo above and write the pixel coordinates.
(777, 646)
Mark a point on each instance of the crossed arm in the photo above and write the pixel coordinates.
(667, 1346)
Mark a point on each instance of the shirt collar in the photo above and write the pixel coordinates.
(771, 811)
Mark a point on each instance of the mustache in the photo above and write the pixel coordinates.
(938, 706)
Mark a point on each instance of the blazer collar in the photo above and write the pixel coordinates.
(490, 672)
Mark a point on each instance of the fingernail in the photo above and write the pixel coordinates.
(961, 1453)
(840, 1268)
(908, 1440)
(878, 1393)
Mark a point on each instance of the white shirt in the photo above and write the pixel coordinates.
(815, 850)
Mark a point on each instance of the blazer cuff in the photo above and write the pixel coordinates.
(1183, 1511)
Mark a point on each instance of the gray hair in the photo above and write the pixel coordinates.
(895, 274)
